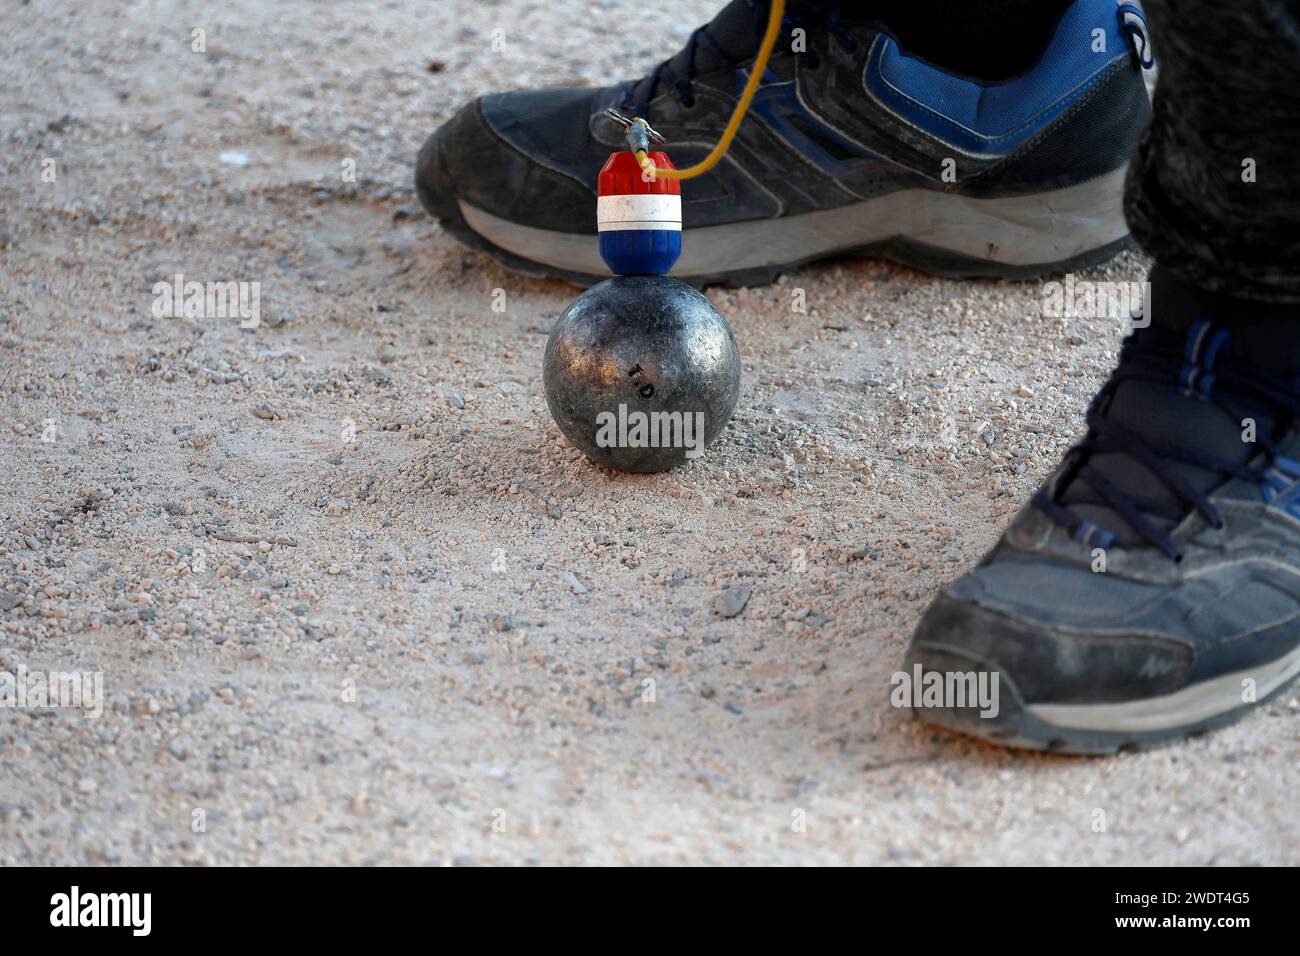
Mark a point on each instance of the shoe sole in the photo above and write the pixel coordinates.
(1101, 729)
(1014, 237)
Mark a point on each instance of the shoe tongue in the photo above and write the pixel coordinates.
(1165, 417)
(735, 30)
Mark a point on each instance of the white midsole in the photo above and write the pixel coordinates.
(1179, 709)
(1041, 228)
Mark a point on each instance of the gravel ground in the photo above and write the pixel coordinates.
(353, 598)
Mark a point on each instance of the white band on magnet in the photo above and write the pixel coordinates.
(643, 211)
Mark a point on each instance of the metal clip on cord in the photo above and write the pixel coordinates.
(640, 134)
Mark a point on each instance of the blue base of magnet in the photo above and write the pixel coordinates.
(640, 251)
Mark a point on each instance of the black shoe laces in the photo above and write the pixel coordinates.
(1203, 370)
(799, 13)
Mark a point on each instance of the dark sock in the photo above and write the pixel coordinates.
(986, 39)
(1265, 334)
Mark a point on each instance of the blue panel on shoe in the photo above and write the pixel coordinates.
(991, 119)
(1288, 502)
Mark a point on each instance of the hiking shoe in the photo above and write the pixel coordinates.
(1151, 589)
(850, 146)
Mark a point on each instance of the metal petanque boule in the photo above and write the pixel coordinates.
(641, 373)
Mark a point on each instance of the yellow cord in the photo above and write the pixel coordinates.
(733, 125)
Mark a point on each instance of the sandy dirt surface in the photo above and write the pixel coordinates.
(353, 598)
